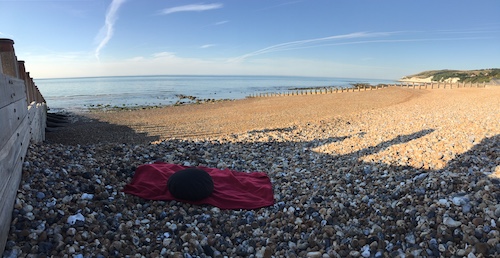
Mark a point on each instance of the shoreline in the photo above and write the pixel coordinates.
(251, 113)
(158, 90)
(374, 174)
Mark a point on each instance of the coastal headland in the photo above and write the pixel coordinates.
(395, 171)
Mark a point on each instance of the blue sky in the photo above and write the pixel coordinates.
(361, 39)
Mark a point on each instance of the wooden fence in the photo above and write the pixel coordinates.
(23, 115)
(411, 85)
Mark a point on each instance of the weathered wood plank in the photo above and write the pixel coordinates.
(11, 160)
(13, 151)
(11, 90)
(11, 117)
(38, 117)
(7, 204)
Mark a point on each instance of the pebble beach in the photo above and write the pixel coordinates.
(393, 172)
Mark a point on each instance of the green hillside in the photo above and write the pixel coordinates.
(475, 76)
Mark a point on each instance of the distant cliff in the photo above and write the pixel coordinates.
(474, 76)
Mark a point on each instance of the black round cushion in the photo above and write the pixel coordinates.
(191, 184)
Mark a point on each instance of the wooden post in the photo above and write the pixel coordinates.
(8, 58)
(31, 83)
(22, 70)
(22, 75)
(29, 88)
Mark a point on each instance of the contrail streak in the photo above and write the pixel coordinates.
(107, 29)
(192, 8)
(306, 42)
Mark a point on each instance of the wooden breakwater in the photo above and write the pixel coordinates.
(332, 89)
(23, 114)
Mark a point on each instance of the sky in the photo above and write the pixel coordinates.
(328, 38)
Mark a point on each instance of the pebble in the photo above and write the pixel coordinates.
(75, 218)
(451, 222)
(40, 195)
(314, 255)
(86, 196)
(379, 183)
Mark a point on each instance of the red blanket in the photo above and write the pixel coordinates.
(232, 189)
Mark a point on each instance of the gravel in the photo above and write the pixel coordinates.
(415, 175)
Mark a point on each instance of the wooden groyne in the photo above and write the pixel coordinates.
(23, 114)
(332, 89)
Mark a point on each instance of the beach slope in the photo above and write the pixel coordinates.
(385, 173)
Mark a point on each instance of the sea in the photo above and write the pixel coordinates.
(84, 94)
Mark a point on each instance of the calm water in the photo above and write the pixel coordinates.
(78, 94)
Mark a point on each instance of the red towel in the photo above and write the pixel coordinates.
(232, 189)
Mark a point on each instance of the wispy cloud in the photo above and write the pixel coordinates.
(6, 35)
(163, 54)
(282, 4)
(221, 22)
(307, 43)
(192, 8)
(355, 39)
(208, 46)
(106, 32)
(216, 24)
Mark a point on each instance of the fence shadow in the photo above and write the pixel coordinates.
(82, 130)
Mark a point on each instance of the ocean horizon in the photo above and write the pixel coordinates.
(85, 93)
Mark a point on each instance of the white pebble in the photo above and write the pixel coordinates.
(365, 251)
(74, 218)
(314, 254)
(28, 208)
(451, 222)
(444, 202)
(86, 196)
